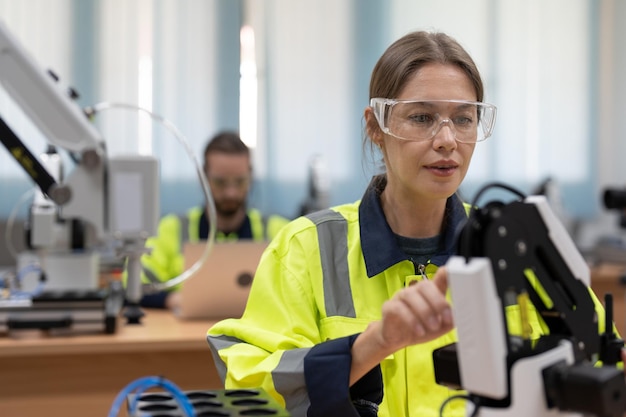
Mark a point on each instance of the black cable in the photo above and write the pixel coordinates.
(496, 185)
(466, 397)
(474, 221)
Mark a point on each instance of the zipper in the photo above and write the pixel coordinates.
(420, 269)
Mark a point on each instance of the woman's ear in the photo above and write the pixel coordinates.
(372, 127)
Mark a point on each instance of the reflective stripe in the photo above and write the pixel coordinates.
(288, 377)
(217, 343)
(191, 224)
(256, 224)
(332, 232)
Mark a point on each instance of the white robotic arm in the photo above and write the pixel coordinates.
(60, 120)
(513, 255)
(116, 198)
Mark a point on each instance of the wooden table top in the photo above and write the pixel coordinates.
(608, 272)
(159, 330)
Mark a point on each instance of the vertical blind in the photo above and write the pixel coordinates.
(179, 59)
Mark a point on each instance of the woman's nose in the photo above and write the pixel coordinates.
(445, 136)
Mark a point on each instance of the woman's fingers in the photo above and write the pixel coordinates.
(417, 314)
(441, 279)
(429, 304)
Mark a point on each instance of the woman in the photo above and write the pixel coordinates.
(333, 315)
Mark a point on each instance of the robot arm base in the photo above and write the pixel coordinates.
(600, 391)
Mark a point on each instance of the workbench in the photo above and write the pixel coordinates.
(80, 375)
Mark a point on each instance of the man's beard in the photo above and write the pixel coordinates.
(228, 208)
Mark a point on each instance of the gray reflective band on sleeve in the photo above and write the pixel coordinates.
(289, 381)
(288, 376)
(332, 232)
(217, 343)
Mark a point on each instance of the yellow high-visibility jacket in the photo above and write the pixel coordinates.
(165, 260)
(320, 282)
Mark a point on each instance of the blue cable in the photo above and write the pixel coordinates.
(141, 385)
(25, 270)
(19, 277)
(13, 294)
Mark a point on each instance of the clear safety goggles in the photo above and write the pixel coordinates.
(238, 183)
(421, 120)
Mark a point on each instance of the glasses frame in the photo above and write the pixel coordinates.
(221, 184)
(382, 106)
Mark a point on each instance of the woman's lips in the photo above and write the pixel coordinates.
(443, 170)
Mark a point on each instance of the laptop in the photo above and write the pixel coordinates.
(219, 288)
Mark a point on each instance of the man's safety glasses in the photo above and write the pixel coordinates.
(238, 183)
(421, 120)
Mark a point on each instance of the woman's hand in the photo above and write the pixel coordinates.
(417, 314)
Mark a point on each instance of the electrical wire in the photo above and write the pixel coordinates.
(209, 203)
(466, 397)
(91, 112)
(467, 237)
(139, 386)
(490, 185)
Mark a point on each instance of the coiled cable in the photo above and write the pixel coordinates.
(139, 386)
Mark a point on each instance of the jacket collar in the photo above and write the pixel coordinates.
(380, 249)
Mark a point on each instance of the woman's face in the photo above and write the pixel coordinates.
(431, 169)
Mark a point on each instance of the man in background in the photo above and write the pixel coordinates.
(228, 169)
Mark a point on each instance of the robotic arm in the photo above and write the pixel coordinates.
(519, 254)
(116, 198)
(61, 122)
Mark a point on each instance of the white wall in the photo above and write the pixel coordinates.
(554, 69)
